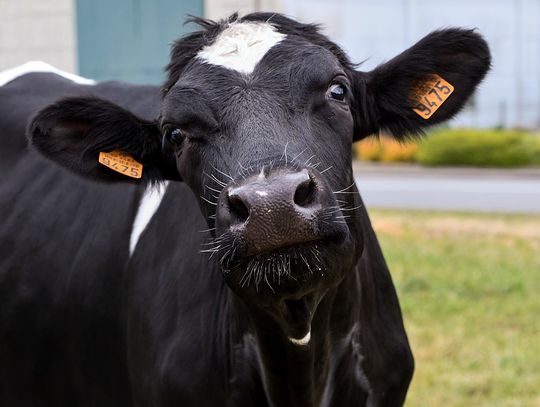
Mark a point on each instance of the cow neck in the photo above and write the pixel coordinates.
(299, 375)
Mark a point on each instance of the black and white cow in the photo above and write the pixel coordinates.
(105, 296)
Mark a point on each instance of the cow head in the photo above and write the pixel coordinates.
(258, 116)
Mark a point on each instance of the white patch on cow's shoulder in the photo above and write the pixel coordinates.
(147, 208)
(38, 66)
(302, 341)
(241, 46)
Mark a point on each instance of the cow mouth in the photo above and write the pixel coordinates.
(285, 272)
(296, 315)
(280, 258)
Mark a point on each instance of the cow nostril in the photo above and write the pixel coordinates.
(238, 209)
(305, 193)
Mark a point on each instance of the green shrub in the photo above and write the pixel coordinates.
(482, 148)
(534, 146)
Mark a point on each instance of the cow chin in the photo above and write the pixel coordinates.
(288, 273)
(289, 283)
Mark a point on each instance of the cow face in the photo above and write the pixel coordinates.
(258, 117)
(265, 141)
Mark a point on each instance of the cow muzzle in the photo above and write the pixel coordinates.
(269, 211)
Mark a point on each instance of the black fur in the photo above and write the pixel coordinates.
(82, 127)
(83, 323)
(185, 49)
(459, 56)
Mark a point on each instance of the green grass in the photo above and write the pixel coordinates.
(469, 287)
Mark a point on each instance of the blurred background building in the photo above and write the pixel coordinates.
(129, 39)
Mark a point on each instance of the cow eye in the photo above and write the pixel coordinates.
(174, 135)
(337, 91)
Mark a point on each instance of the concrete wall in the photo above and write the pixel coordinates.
(38, 30)
(45, 29)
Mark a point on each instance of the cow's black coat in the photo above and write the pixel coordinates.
(62, 254)
(81, 323)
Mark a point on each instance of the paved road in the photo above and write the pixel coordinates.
(461, 189)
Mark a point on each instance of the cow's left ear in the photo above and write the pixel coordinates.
(425, 85)
(99, 140)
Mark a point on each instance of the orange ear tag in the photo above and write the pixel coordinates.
(430, 95)
(122, 163)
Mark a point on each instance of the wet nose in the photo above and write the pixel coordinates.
(275, 210)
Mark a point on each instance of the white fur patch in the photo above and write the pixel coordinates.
(147, 208)
(241, 46)
(38, 66)
(302, 341)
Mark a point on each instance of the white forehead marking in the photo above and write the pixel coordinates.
(302, 341)
(38, 66)
(147, 208)
(241, 46)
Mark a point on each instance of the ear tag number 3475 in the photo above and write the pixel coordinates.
(437, 91)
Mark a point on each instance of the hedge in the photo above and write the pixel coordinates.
(480, 148)
(467, 147)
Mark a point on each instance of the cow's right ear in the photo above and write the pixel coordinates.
(74, 131)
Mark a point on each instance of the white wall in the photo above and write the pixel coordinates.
(376, 30)
(38, 30)
(218, 9)
(379, 30)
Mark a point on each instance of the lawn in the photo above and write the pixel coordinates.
(469, 287)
